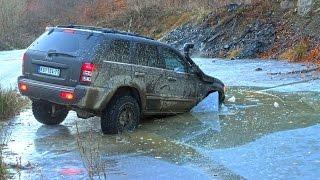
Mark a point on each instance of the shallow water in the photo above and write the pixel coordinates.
(193, 145)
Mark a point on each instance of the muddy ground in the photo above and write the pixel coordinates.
(268, 128)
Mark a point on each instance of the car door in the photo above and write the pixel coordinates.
(182, 94)
(148, 70)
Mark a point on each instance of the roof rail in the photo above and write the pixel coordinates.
(104, 30)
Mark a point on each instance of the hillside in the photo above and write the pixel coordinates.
(275, 29)
(281, 29)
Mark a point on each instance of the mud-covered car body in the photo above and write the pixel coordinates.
(95, 65)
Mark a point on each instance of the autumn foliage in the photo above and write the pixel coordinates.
(22, 21)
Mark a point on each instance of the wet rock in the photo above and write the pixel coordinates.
(232, 7)
(217, 40)
(304, 7)
(258, 69)
(258, 39)
(287, 4)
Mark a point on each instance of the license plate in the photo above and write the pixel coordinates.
(49, 71)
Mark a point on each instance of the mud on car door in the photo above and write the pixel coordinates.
(182, 85)
(148, 70)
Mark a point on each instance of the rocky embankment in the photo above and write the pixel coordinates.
(269, 30)
(218, 40)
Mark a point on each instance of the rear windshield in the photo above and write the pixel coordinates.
(65, 42)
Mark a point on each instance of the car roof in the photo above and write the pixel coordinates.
(118, 34)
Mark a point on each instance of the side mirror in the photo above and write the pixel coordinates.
(187, 47)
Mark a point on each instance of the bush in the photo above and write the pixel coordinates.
(3, 170)
(298, 52)
(234, 53)
(11, 102)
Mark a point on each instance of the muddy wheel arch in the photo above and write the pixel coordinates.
(216, 88)
(133, 91)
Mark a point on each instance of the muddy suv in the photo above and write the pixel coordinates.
(115, 75)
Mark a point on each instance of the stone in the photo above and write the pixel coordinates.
(226, 46)
(232, 7)
(287, 4)
(304, 7)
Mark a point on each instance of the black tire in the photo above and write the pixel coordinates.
(43, 112)
(122, 114)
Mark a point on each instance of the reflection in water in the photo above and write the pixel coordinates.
(57, 137)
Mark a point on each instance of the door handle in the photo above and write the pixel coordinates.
(139, 74)
(172, 79)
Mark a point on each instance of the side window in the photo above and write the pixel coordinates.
(119, 51)
(147, 55)
(173, 61)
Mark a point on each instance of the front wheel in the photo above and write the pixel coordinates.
(122, 114)
(48, 113)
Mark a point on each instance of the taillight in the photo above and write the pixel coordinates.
(23, 87)
(86, 73)
(66, 95)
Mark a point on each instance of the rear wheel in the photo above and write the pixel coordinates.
(121, 115)
(48, 113)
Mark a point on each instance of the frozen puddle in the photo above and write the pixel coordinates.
(244, 72)
(284, 155)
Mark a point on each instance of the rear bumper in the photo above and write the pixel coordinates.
(51, 92)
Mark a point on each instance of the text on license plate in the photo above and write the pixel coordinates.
(49, 71)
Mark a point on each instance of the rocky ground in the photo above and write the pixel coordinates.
(273, 29)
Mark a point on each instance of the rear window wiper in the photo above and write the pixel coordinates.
(50, 53)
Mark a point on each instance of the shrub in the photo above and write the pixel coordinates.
(3, 170)
(234, 53)
(298, 52)
(301, 49)
(313, 55)
(11, 102)
(288, 55)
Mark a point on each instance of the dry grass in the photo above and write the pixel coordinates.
(4, 139)
(3, 170)
(289, 54)
(314, 55)
(298, 52)
(171, 22)
(234, 53)
(11, 102)
(90, 155)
